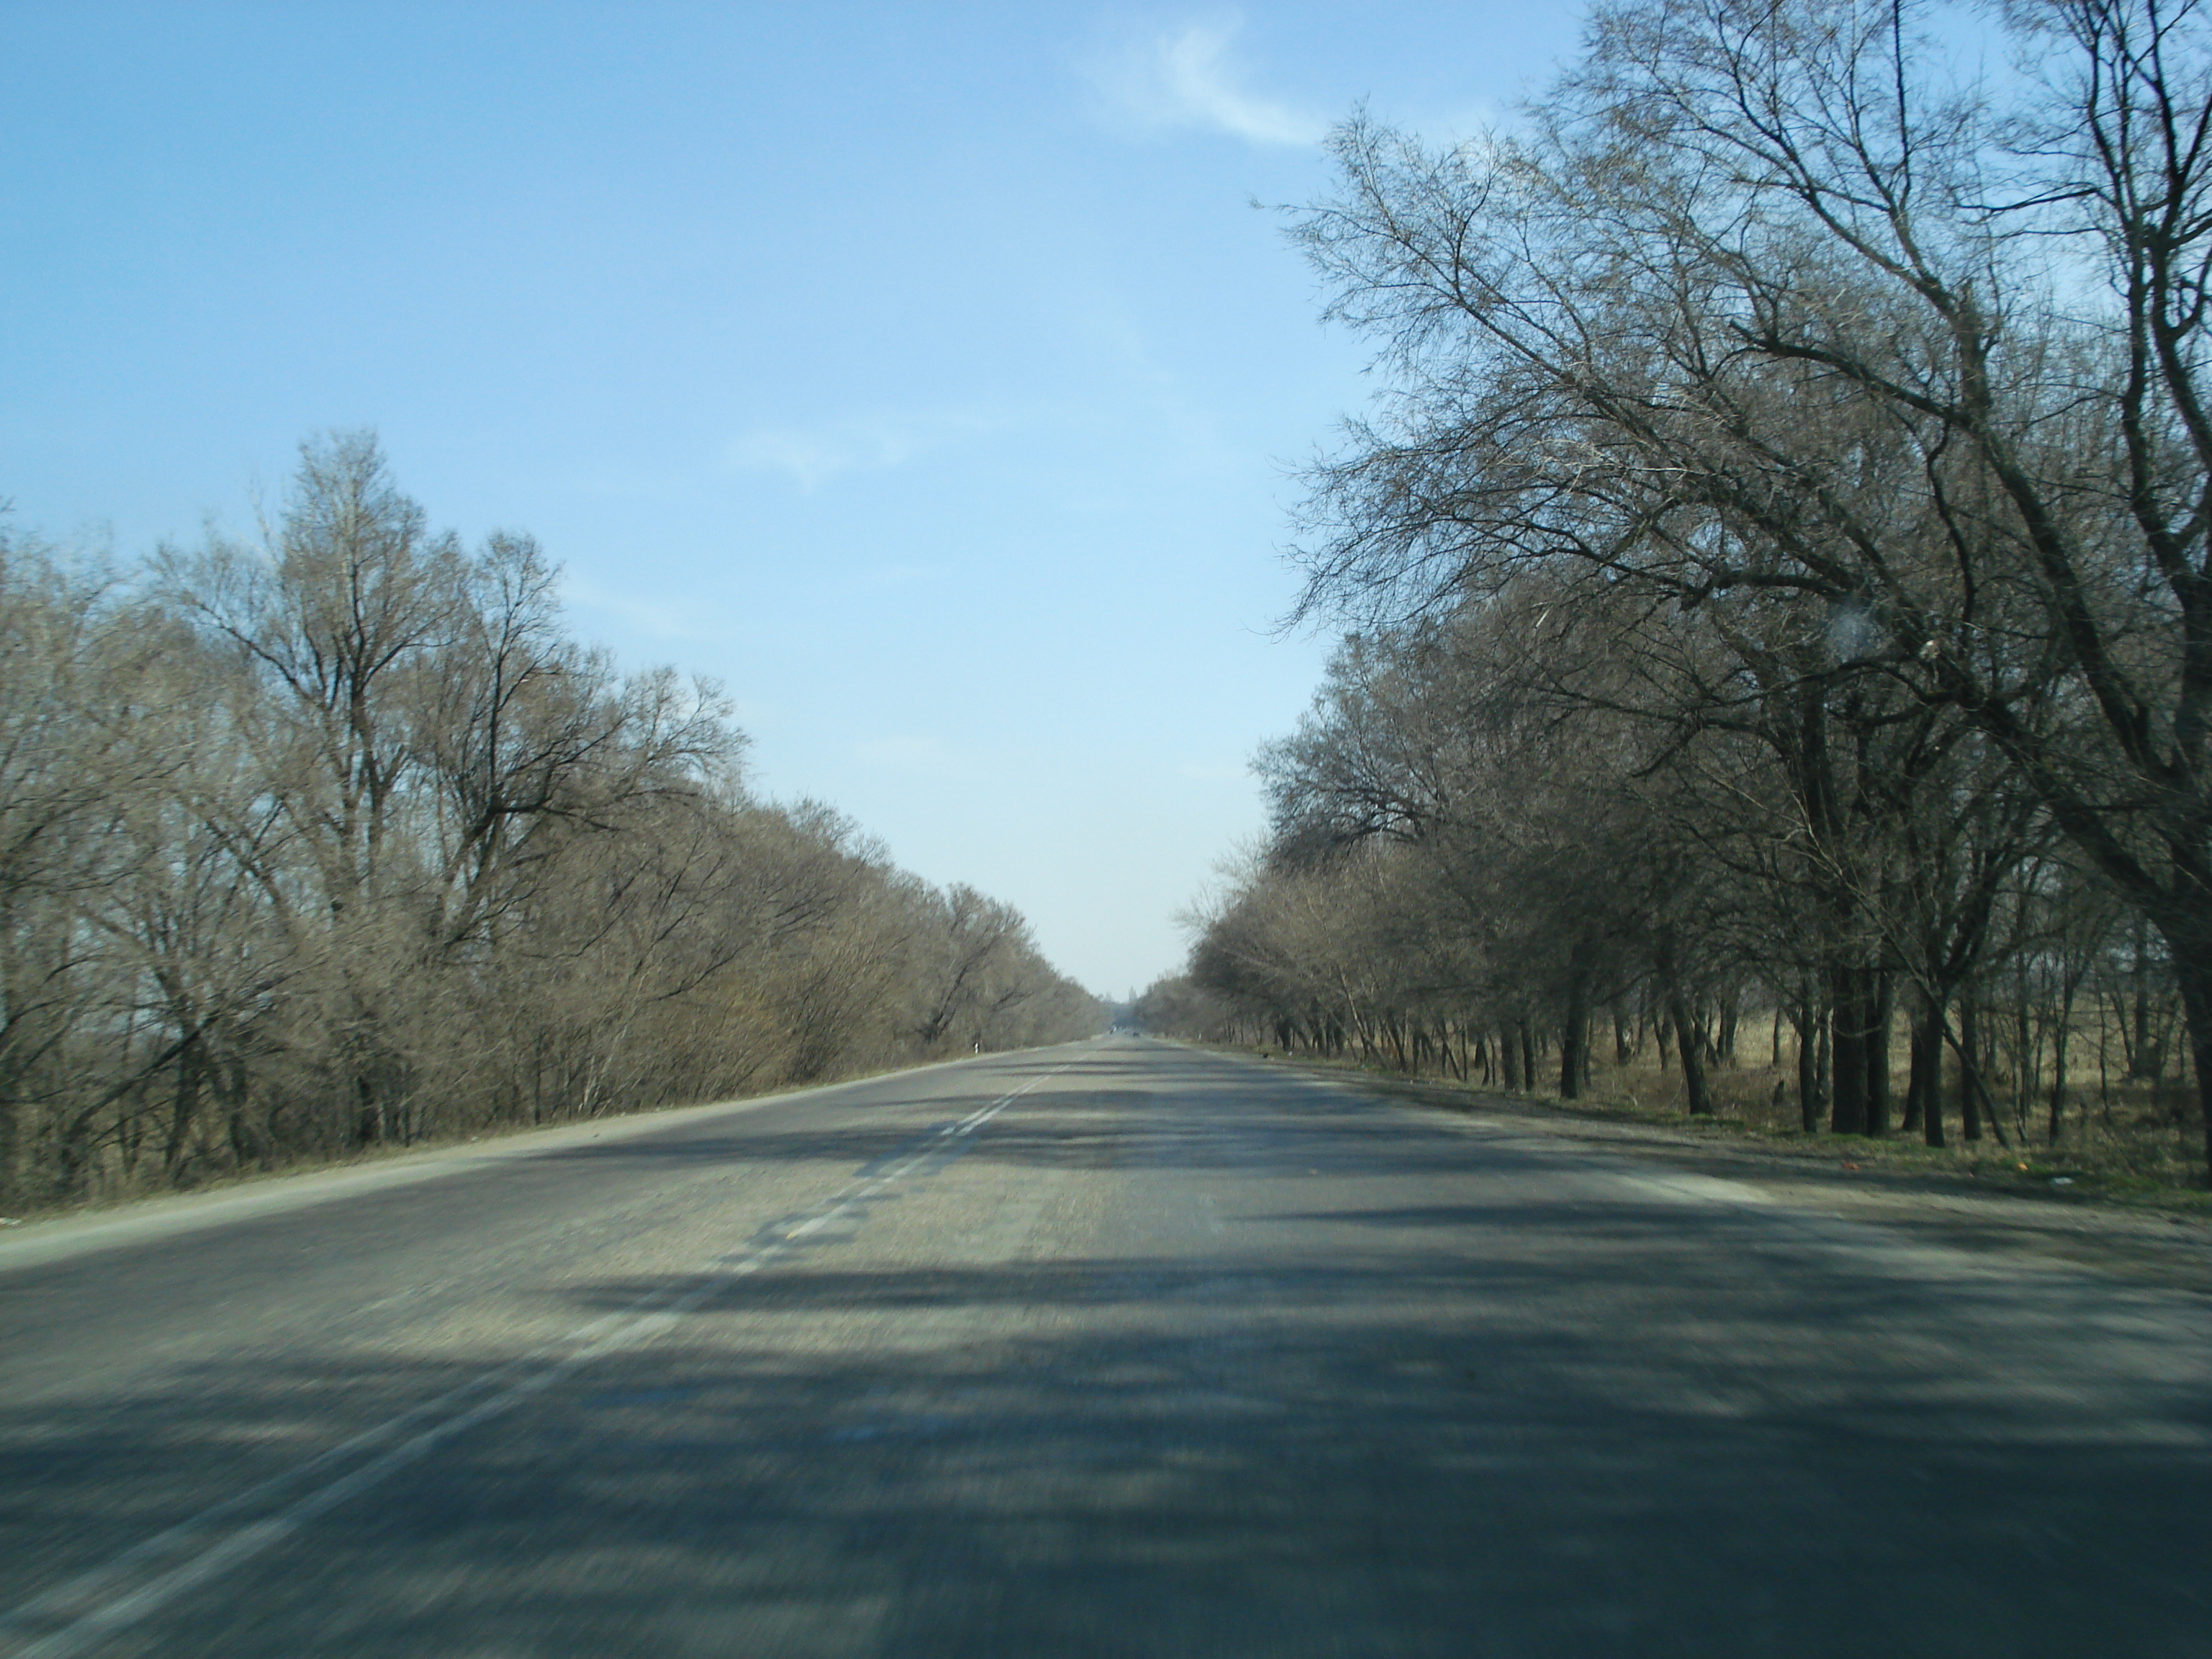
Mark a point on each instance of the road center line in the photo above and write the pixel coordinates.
(84, 1610)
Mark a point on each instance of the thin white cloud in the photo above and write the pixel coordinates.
(812, 456)
(1184, 79)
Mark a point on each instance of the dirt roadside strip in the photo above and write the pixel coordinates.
(2141, 1243)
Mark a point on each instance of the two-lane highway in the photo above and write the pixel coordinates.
(1116, 1348)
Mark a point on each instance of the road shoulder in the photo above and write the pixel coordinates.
(56, 1234)
(2146, 1246)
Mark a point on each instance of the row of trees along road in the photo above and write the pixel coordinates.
(339, 840)
(1783, 546)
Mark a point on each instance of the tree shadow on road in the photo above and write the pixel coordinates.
(1638, 1435)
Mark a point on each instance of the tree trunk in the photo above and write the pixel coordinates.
(11, 1137)
(1969, 1101)
(2058, 1035)
(1971, 1088)
(2140, 1064)
(1509, 1056)
(1698, 1096)
(1677, 1014)
(1882, 1012)
(183, 1113)
(1847, 1111)
(1927, 1084)
(1807, 1018)
(1528, 1056)
(1574, 1039)
(2194, 971)
(1821, 1063)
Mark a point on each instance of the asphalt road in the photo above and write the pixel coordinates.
(1116, 1348)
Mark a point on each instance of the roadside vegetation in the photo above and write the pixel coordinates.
(1779, 583)
(2127, 1140)
(336, 840)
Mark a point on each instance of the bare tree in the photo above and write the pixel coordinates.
(340, 837)
(1763, 311)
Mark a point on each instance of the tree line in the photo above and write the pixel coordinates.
(336, 838)
(1779, 566)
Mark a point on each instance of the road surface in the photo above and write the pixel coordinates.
(1118, 1348)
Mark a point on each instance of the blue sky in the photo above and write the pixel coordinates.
(924, 374)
